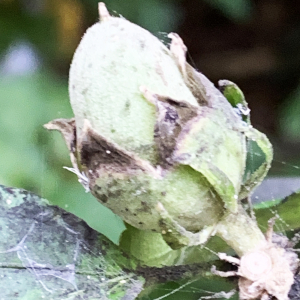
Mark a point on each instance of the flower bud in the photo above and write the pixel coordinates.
(157, 143)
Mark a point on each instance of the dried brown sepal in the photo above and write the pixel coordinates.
(99, 154)
(202, 88)
(172, 115)
(67, 128)
(193, 81)
(178, 49)
(190, 75)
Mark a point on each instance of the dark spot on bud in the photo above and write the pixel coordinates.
(161, 223)
(145, 207)
(171, 115)
(127, 105)
(142, 44)
(103, 198)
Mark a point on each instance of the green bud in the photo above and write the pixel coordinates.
(153, 139)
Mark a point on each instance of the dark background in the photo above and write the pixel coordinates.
(253, 43)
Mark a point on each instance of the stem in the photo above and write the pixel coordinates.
(240, 232)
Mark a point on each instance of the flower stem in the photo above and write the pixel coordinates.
(240, 232)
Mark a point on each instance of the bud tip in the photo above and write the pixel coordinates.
(103, 12)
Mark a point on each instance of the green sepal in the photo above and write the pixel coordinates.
(232, 92)
(288, 210)
(255, 178)
(235, 96)
(212, 148)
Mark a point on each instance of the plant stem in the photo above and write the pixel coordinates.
(240, 232)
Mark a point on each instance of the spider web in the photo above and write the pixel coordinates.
(266, 195)
(49, 254)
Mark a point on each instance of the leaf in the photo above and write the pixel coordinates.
(287, 210)
(48, 253)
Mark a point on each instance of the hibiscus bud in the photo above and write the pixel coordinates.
(153, 139)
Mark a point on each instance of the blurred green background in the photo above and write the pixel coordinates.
(253, 43)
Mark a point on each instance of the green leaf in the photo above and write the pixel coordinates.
(287, 210)
(48, 253)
